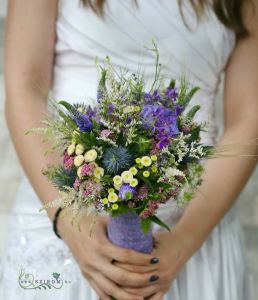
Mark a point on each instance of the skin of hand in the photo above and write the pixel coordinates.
(95, 254)
(173, 249)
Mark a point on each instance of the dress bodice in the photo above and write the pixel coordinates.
(197, 50)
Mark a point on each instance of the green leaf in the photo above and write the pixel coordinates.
(157, 220)
(172, 83)
(188, 196)
(190, 95)
(145, 225)
(193, 111)
(67, 105)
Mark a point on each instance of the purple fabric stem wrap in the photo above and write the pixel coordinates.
(125, 231)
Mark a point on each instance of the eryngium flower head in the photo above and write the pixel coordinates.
(117, 160)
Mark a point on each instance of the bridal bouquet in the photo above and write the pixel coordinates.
(129, 154)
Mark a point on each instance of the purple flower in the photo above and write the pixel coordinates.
(171, 93)
(111, 108)
(126, 192)
(83, 122)
(160, 119)
(99, 95)
(155, 96)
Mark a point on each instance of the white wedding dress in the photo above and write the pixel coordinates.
(218, 270)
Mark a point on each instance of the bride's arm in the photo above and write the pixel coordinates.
(225, 177)
(29, 49)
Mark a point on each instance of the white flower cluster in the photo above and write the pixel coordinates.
(196, 151)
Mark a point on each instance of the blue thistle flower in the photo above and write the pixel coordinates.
(117, 160)
(126, 192)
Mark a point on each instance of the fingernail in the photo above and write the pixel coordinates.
(154, 278)
(154, 260)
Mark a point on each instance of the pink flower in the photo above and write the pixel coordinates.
(87, 169)
(142, 192)
(77, 183)
(90, 188)
(105, 133)
(68, 161)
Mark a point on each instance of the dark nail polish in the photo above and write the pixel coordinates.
(154, 278)
(154, 260)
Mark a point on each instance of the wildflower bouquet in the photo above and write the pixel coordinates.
(129, 154)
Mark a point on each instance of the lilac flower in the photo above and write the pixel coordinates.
(126, 192)
(83, 122)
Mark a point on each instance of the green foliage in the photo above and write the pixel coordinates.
(145, 225)
(190, 115)
(157, 220)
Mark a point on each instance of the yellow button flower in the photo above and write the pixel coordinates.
(111, 190)
(154, 169)
(105, 201)
(117, 180)
(128, 109)
(127, 176)
(133, 170)
(117, 186)
(79, 149)
(134, 182)
(112, 197)
(71, 149)
(90, 155)
(154, 157)
(115, 206)
(146, 173)
(137, 108)
(146, 161)
(140, 166)
(98, 172)
(78, 160)
(138, 160)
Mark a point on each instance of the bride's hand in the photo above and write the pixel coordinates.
(173, 250)
(95, 254)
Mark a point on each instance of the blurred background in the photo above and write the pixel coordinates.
(11, 172)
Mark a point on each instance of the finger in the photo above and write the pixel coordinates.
(135, 268)
(112, 289)
(124, 277)
(128, 256)
(102, 295)
(144, 291)
(157, 296)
